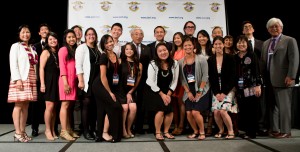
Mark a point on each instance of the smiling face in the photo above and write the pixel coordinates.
(275, 29)
(159, 34)
(44, 30)
(25, 34)
(90, 37)
(188, 47)
(116, 32)
(109, 45)
(71, 39)
(241, 45)
(52, 41)
(162, 52)
(218, 46)
(129, 51)
(189, 29)
(177, 40)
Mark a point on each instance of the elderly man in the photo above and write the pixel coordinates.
(280, 57)
(145, 56)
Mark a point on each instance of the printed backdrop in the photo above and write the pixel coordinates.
(146, 14)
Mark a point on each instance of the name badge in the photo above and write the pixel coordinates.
(190, 78)
(115, 79)
(130, 81)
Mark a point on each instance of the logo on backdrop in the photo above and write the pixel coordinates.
(105, 5)
(105, 29)
(189, 6)
(215, 7)
(161, 6)
(77, 5)
(134, 6)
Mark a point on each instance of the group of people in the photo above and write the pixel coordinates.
(190, 78)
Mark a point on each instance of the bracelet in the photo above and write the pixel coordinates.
(200, 90)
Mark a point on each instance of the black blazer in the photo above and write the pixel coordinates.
(152, 48)
(38, 48)
(228, 74)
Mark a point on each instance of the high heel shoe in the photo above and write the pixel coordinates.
(107, 139)
(26, 136)
(48, 136)
(65, 135)
(20, 138)
(73, 134)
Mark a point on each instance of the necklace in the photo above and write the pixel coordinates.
(55, 59)
(95, 54)
(165, 75)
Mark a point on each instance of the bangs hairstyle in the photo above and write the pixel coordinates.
(169, 60)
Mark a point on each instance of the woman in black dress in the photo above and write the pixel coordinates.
(161, 82)
(131, 70)
(49, 74)
(105, 88)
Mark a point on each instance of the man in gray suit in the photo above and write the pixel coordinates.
(280, 57)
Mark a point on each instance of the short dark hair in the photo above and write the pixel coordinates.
(45, 24)
(246, 22)
(159, 27)
(76, 26)
(117, 24)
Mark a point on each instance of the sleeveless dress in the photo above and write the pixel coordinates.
(51, 78)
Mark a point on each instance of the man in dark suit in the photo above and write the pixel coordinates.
(159, 34)
(37, 108)
(145, 56)
(256, 47)
(280, 57)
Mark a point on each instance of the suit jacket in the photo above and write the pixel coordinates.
(258, 47)
(285, 60)
(228, 74)
(152, 47)
(38, 48)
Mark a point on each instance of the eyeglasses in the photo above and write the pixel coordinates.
(190, 27)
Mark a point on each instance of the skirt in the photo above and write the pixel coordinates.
(29, 93)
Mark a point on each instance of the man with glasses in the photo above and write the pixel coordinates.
(256, 47)
(280, 57)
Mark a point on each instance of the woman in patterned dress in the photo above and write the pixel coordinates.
(22, 88)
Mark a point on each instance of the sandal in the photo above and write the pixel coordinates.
(73, 134)
(201, 136)
(218, 135)
(26, 136)
(230, 136)
(65, 135)
(194, 135)
(20, 138)
(159, 137)
(177, 131)
(168, 135)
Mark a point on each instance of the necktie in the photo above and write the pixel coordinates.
(273, 44)
(138, 50)
(250, 45)
(270, 54)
